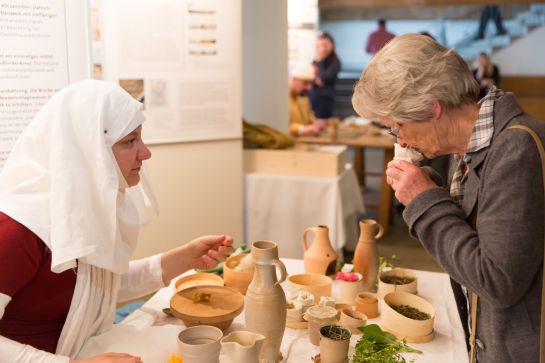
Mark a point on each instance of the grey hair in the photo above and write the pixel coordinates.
(407, 75)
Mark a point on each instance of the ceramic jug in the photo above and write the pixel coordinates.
(320, 257)
(366, 254)
(265, 301)
(243, 346)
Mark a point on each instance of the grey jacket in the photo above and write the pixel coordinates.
(500, 257)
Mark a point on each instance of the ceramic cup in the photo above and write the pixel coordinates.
(318, 316)
(334, 344)
(350, 289)
(367, 303)
(200, 344)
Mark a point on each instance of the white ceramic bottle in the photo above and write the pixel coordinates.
(265, 302)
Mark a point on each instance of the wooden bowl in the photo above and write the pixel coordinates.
(412, 330)
(224, 305)
(198, 279)
(385, 288)
(238, 280)
(317, 285)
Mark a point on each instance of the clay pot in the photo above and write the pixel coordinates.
(243, 346)
(265, 300)
(294, 315)
(318, 316)
(350, 289)
(238, 280)
(386, 288)
(367, 303)
(200, 344)
(366, 260)
(352, 319)
(320, 258)
(318, 285)
(344, 306)
(412, 330)
(334, 343)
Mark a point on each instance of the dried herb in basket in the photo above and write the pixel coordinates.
(410, 312)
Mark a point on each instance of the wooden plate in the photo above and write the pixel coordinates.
(198, 279)
(224, 305)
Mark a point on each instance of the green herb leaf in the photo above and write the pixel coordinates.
(378, 346)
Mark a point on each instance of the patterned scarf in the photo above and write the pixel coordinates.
(480, 139)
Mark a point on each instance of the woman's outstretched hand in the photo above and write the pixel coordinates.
(202, 253)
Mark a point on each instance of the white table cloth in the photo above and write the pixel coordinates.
(280, 207)
(150, 334)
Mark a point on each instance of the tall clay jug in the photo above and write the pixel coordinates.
(366, 254)
(320, 258)
(265, 301)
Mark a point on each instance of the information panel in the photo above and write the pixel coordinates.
(182, 59)
(45, 47)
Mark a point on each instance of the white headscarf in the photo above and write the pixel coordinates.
(62, 181)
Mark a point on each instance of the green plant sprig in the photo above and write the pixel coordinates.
(378, 346)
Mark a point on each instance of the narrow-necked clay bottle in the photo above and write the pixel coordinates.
(320, 257)
(265, 302)
(366, 254)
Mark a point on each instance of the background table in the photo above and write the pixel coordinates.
(369, 137)
(152, 335)
(279, 208)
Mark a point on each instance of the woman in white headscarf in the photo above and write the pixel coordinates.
(69, 225)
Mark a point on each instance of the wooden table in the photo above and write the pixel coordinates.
(152, 335)
(369, 137)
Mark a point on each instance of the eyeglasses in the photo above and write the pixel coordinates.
(394, 130)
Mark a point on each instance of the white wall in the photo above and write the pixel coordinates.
(199, 189)
(264, 62)
(524, 57)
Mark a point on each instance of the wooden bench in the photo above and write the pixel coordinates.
(530, 92)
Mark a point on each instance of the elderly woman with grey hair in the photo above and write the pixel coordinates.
(485, 226)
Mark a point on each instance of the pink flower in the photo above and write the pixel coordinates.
(347, 276)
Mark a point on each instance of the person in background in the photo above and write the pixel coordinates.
(71, 205)
(379, 38)
(302, 120)
(490, 12)
(486, 73)
(485, 226)
(327, 67)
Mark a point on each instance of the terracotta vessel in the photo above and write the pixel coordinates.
(366, 254)
(265, 300)
(236, 277)
(334, 344)
(320, 257)
(200, 344)
(243, 346)
(367, 303)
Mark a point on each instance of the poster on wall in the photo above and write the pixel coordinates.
(302, 31)
(182, 60)
(45, 47)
